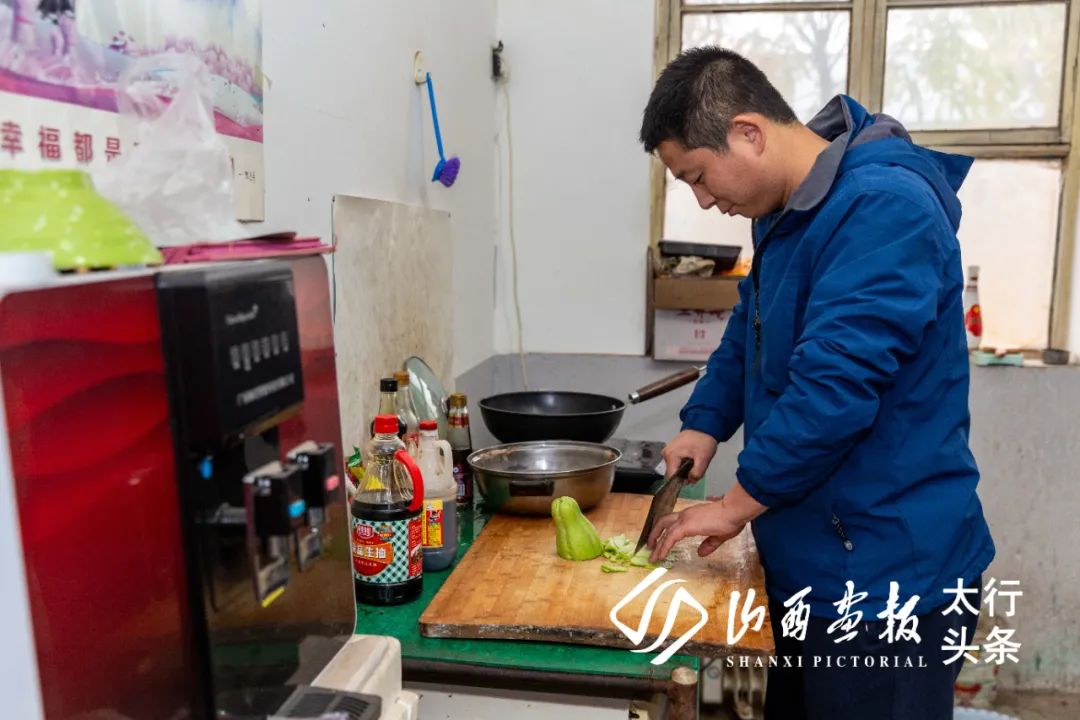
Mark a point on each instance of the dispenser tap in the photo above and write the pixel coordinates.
(275, 509)
(316, 463)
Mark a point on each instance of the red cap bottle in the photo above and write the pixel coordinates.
(386, 424)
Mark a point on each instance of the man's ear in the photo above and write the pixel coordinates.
(749, 129)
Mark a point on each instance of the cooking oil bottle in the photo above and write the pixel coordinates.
(440, 498)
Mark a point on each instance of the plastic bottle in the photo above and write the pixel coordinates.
(440, 498)
(404, 407)
(460, 439)
(972, 310)
(388, 404)
(387, 528)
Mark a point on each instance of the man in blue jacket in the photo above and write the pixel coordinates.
(845, 362)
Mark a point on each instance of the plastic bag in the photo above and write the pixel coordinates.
(176, 183)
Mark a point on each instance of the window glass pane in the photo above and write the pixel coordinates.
(975, 67)
(804, 54)
(685, 220)
(1009, 229)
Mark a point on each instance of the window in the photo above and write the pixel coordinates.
(990, 78)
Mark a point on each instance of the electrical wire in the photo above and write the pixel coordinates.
(513, 240)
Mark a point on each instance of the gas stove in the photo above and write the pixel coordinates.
(636, 471)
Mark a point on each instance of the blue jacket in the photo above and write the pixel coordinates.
(853, 391)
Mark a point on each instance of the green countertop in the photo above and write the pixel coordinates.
(402, 622)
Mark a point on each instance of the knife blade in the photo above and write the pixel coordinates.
(663, 501)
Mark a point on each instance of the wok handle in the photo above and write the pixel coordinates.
(532, 488)
(665, 385)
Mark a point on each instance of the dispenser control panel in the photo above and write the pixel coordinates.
(231, 332)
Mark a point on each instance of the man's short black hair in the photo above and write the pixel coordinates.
(698, 94)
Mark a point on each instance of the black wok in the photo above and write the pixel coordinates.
(559, 415)
(551, 415)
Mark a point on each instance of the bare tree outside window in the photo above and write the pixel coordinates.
(975, 67)
(805, 54)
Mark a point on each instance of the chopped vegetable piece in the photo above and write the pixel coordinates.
(620, 551)
(614, 568)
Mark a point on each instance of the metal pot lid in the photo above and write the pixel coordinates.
(544, 459)
(427, 392)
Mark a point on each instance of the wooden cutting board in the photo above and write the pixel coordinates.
(512, 585)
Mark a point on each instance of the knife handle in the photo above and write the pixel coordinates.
(681, 475)
(685, 466)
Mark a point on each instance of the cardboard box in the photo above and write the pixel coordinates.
(667, 301)
(717, 293)
(694, 293)
(687, 335)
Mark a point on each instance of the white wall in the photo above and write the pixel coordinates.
(343, 116)
(580, 75)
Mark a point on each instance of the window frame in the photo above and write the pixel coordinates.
(866, 83)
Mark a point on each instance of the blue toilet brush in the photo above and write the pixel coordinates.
(446, 171)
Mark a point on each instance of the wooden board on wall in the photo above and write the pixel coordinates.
(392, 270)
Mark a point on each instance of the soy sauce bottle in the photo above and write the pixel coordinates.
(386, 521)
(460, 438)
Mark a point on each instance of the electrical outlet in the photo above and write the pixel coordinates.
(498, 64)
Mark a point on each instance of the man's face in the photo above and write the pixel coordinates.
(736, 181)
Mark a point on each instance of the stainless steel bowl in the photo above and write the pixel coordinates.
(523, 478)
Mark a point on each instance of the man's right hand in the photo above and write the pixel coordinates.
(698, 446)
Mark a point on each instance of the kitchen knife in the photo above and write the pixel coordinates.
(664, 500)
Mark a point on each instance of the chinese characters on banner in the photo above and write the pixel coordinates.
(50, 144)
(60, 62)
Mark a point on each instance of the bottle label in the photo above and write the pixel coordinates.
(386, 552)
(463, 478)
(433, 523)
(973, 321)
(463, 475)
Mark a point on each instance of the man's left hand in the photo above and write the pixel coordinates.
(717, 521)
(709, 520)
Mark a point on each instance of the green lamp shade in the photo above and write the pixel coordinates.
(60, 212)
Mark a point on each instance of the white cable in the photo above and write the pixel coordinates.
(513, 241)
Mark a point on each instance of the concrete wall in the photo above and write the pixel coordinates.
(1023, 436)
(1025, 440)
(344, 116)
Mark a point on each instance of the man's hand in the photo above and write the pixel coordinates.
(717, 521)
(698, 446)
